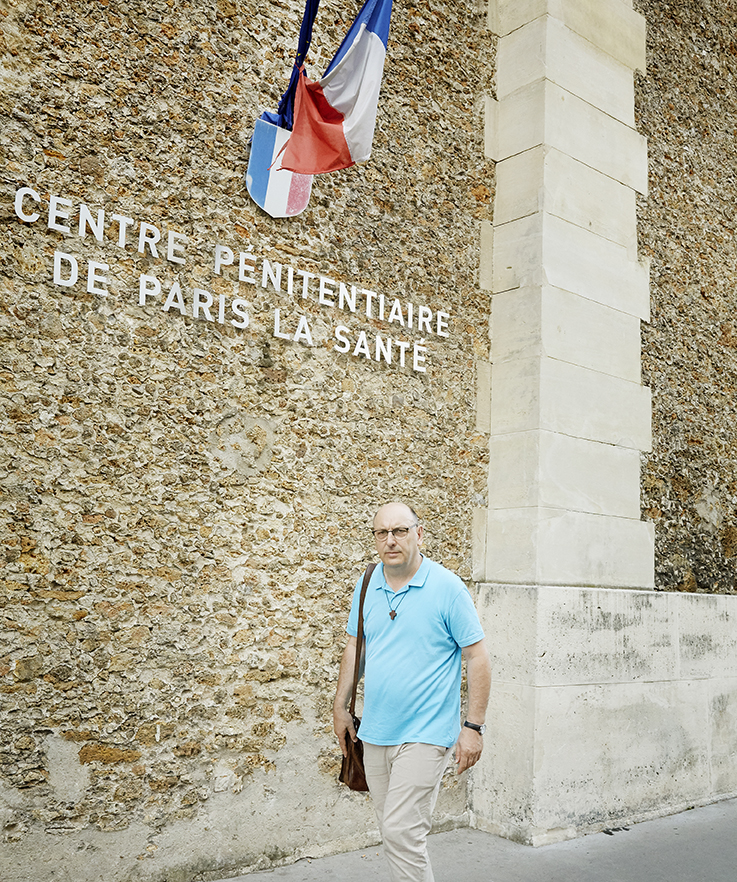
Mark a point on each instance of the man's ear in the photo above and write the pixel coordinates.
(420, 532)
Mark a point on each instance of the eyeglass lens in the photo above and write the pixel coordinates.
(398, 533)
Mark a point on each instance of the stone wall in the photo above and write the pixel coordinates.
(186, 497)
(687, 109)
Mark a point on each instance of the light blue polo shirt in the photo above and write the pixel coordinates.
(412, 688)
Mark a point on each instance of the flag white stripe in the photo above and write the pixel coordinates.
(352, 88)
(280, 180)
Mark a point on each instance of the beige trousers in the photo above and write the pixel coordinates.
(404, 781)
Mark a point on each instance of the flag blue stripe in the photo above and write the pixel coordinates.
(284, 116)
(262, 153)
(379, 21)
(376, 15)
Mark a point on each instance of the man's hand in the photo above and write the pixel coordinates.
(343, 726)
(468, 749)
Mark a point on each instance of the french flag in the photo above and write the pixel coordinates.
(335, 117)
(320, 126)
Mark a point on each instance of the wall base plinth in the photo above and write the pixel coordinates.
(609, 706)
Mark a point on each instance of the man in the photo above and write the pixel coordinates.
(418, 620)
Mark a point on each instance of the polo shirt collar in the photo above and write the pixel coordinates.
(417, 581)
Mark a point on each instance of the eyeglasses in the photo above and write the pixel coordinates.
(397, 533)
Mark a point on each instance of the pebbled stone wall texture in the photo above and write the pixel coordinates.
(187, 496)
(687, 108)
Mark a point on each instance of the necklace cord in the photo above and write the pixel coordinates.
(393, 609)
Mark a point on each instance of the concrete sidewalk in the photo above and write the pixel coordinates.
(699, 845)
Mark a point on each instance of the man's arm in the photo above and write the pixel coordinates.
(342, 721)
(478, 669)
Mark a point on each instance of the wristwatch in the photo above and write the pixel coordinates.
(480, 729)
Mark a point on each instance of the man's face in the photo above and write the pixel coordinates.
(394, 552)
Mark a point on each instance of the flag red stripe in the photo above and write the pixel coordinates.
(317, 143)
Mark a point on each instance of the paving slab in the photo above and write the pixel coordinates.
(699, 845)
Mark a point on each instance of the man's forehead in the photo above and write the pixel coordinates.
(394, 513)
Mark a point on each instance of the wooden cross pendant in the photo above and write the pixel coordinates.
(392, 614)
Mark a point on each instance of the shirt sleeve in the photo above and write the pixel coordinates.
(465, 626)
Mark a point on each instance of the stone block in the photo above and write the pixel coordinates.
(501, 786)
(544, 179)
(605, 636)
(558, 471)
(478, 541)
(556, 547)
(483, 396)
(559, 397)
(723, 730)
(611, 25)
(486, 257)
(67, 777)
(508, 614)
(708, 634)
(491, 128)
(623, 751)
(556, 636)
(547, 49)
(544, 250)
(539, 322)
(544, 113)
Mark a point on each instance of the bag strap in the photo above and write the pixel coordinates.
(359, 637)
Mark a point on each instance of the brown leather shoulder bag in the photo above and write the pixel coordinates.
(352, 772)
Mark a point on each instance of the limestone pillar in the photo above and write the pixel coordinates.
(568, 418)
(568, 415)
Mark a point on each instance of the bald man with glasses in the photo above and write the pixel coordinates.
(419, 620)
